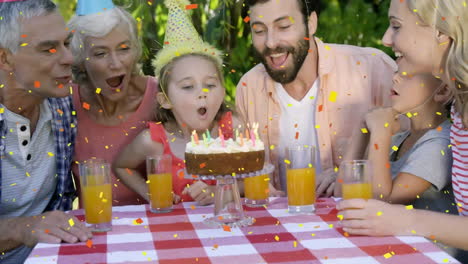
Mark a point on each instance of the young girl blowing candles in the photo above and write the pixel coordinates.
(191, 103)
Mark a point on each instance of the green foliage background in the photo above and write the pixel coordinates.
(354, 22)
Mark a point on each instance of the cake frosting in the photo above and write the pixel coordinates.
(216, 156)
(213, 146)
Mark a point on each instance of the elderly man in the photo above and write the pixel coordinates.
(37, 130)
(305, 91)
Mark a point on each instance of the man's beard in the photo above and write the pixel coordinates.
(286, 75)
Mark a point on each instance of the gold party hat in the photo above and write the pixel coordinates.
(181, 37)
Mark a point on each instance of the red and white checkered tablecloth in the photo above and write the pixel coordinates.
(276, 237)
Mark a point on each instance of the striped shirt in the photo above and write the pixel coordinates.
(459, 142)
(64, 131)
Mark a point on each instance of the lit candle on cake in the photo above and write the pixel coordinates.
(221, 136)
(252, 137)
(195, 137)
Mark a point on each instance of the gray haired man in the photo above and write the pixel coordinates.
(37, 130)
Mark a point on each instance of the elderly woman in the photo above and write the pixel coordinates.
(113, 100)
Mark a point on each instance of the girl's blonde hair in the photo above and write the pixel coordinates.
(450, 17)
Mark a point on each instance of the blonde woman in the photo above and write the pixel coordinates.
(438, 45)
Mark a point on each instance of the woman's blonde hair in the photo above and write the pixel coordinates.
(450, 17)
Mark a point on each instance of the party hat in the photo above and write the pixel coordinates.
(87, 7)
(181, 37)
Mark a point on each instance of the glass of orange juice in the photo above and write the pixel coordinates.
(357, 180)
(256, 190)
(300, 178)
(159, 171)
(96, 191)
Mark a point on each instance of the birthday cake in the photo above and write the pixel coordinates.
(216, 156)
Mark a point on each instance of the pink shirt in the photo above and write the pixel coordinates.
(459, 142)
(353, 80)
(106, 142)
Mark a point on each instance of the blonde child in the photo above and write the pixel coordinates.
(415, 131)
(431, 40)
(190, 99)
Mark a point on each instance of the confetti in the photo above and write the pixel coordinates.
(71, 222)
(295, 244)
(53, 51)
(364, 130)
(388, 255)
(332, 96)
(98, 90)
(395, 148)
(409, 207)
(340, 217)
(379, 213)
(37, 84)
(86, 106)
(376, 146)
(277, 238)
(89, 243)
(215, 246)
(24, 44)
(287, 161)
(246, 20)
(226, 228)
(50, 154)
(192, 6)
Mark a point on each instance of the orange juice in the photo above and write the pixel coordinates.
(160, 189)
(301, 186)
(256, 188)
(97, 203)
(357, 190)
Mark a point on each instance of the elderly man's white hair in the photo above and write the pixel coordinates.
(11, 14)
(99, 25)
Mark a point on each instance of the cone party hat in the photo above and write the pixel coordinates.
(181, 37)
(87, 7)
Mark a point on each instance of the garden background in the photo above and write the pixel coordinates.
(220, 22)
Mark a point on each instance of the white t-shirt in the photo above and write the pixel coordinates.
(297, 125)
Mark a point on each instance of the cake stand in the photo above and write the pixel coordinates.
(228, 205)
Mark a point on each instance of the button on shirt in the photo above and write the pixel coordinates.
(28, 179)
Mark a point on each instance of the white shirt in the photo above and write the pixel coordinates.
(297, 125)
(29, 166)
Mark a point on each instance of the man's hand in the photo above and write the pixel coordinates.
(52, 227)
(325, 183)
(202, 193)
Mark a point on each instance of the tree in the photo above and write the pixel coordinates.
(220, 22)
